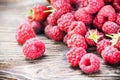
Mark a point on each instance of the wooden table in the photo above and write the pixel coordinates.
(52, 66)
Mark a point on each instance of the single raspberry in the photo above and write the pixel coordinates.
(33, 48)
(47, 30)
(93, 36)
(37, 12)
(111, 55)
(82, 15)
(59, 8)
(36, 25)
(52, 20)
(118, 19)
(92, 6)
(110, 27)
(65, 21)
(24, 32)
(89, 63)
(116, 4)
(74, 55)
(77, 27)
(77, 40)
(101, 45)
(55, 33)
(106, 13)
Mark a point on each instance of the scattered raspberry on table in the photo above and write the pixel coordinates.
(79, 24)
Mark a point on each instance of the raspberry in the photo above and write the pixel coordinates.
(77, 27)
(65, 21)
(93, 36)
(116, 4)
(89, 63)
(52, 20)
(101, 45)
(74, 55)
(82, 15)
(24, 32)
(37, 13)
(61, 7)
(55, 33)
(36, 25)
(111, 55)
(47, 30)
(33, 48)
(76, 40)
(92, 6)
(106, 13)
(118, 19)
(110, 27)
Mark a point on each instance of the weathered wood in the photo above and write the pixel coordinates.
(52, 66)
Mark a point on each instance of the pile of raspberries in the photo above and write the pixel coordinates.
(79, 24)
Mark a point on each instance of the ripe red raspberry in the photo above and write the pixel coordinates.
(36, 25)
(101, 45)
(89, 63)
(106, 13)
(116, 4)
(92, 6)
(77, 40)
(82, 15)
(110, 27)
(24, 32)
(118, 19)
(55, 33)
(111, 55)
(52, 20)
(37, 13)
(74, 55)
(47, 30)
(77, 27)
(93, 36)
(65, 21)
(33, 48)
(60, 7)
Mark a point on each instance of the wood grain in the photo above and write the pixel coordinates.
(52, 66)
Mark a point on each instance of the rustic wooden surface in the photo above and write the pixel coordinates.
(52, 66)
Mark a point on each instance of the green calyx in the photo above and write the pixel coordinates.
(30, 12)
(114, 37)
(51, 9)
(94, 36)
